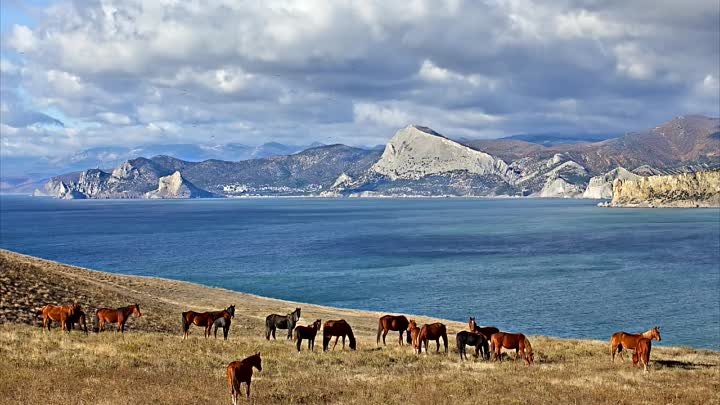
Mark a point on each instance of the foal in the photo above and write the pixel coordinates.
(239, 372)
(307, 332)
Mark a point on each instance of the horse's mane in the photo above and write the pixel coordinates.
(528, 346)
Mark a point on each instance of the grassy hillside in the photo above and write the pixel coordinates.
(151, 364)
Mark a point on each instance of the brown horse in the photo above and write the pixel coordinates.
(512, 341)
(622, 340)
(241, 371)
(118, 315)
(414, 333)
(205, 319)
(339, 328)
(78, 318)
(433, 331)
(392, 322)
(58, 313)
(485, 330)
(642, 353)
(307, 332)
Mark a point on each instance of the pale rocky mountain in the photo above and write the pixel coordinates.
(601, 187)
(697, 189)
(175, 186)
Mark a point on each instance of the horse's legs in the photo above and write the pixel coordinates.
(273, 333)
(336, 340)
(247, 388)
(343, 342)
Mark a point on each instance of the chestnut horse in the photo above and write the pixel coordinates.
(205, 319)
(307, 332)
(622, 340)
(59, 313)
(413, 333)
(433, 331)
(241, 371)
(485, 330)
(339, 328)
(119, 316)
(392, 322)
(512, 341)
(642, 353)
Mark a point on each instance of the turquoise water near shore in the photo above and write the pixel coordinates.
(553, 267)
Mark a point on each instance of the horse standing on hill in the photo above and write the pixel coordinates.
(339, 328)
(205, 319)
(78, 318)
(119, 316)
(275, 321)
(433, 331)
(224, 322)
(413, 333)
(485, 330)
(239, 372)
(392, 322)
(59, 313)
(512, 341)
(623, 340)
(642, 353)
(307, 332)
(478, 340)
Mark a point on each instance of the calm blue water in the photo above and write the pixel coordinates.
(554, 267)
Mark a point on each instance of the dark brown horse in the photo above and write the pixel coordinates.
(118, 315)
(241, 371)
(78, 318)
(485, 330)
(414, 333)
(392, 322)
(307, 332)
(475, 339)
(59, 313)
(275, 321)
(512, 341)
(339, 328)
(622, 340)
(204, 319)
(642, 353)
(433, 331)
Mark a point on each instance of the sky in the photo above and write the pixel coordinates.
(81, 74)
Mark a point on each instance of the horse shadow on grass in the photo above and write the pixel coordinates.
(686, 365)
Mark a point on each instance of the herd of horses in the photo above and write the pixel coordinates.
(488, 340)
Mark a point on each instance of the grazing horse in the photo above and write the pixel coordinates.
(485, 330)
(78, 318)
(512, 341)
(413, 333)
(119, 316)
(59, 313)
(205, 319)
(239, 372)
(478, 340)
(275, 321)
(642, 353)
(307, 332)
(392, 322)
(433, 331)
(224, 321)
(339, 328)
(622, 340)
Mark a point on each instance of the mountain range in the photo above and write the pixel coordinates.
(418, 161)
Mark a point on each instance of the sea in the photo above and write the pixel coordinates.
(555, 267)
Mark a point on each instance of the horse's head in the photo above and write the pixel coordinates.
(411, 325)
(256, 361)
(530, 357)
(316, 324)
(136, 310)
(231, 310)
(471, 323)
(655, 333)
(75, 308)
(297, 313)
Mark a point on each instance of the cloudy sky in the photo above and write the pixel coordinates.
(80, 74)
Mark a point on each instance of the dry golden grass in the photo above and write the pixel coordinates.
(151, 364)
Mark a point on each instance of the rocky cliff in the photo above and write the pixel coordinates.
(175, 186)
(698, 189)
(601, 187)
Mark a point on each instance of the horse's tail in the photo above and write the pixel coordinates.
(268, 327)
(295, 335)
(96, 328)
(233, 383)
(184, 321)
(379, 331)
